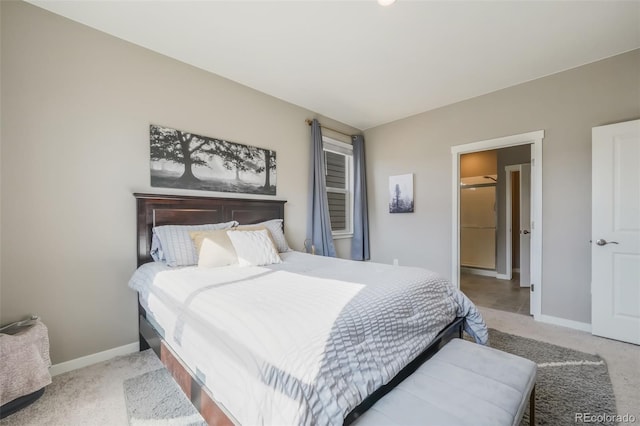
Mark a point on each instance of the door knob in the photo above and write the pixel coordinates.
(603, 242)
(525, 232)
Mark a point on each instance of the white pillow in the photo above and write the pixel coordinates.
(172, 243)
(254, 248)
(277, 233)
(214, 248)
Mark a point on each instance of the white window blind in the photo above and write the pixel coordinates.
(339, 178)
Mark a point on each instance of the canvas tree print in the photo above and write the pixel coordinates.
(401, 194)
(185, 160)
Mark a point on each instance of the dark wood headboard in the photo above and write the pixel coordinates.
(155, 210)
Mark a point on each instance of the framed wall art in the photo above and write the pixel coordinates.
(181, 159)
(401, 193)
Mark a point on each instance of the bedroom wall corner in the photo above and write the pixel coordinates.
(566, 105)
(76, 109)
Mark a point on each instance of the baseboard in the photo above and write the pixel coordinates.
(474, 271)
(503, 277)
(576, 325)
(84, 361)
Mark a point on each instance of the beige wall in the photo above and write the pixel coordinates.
(76, 108)
(566, 105)
(1, 137)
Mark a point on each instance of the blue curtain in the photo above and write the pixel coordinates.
(360, 241)
(319, 223)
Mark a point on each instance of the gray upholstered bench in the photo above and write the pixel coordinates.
(463, 384)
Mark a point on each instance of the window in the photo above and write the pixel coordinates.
(338, 160)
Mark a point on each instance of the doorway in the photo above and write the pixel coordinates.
(492, 242)
(531, 143)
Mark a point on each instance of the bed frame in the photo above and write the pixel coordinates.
(155, 210)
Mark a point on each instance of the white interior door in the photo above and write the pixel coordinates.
(525, 225)
(615, 222)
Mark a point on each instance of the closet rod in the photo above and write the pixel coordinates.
(309, 122)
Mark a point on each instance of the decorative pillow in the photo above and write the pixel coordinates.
(277, 233)
(172, 244)
(254, 248)
(214, 248)
(257, 227)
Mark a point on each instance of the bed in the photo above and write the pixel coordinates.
(311, 340)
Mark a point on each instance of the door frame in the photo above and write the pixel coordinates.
(535, 139)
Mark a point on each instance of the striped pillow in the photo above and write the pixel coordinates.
(277, 233)
(254, 248)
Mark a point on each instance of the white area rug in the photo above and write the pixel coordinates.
(154, 399)
(569, 382)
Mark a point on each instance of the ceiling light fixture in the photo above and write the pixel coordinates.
(386, 2)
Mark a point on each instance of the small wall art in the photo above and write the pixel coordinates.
(401, 193)
(181, 159)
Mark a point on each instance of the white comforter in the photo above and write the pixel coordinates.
(302, 342)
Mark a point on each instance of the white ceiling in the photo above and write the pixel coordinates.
(364, 64)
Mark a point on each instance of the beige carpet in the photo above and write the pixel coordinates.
(94, 395)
